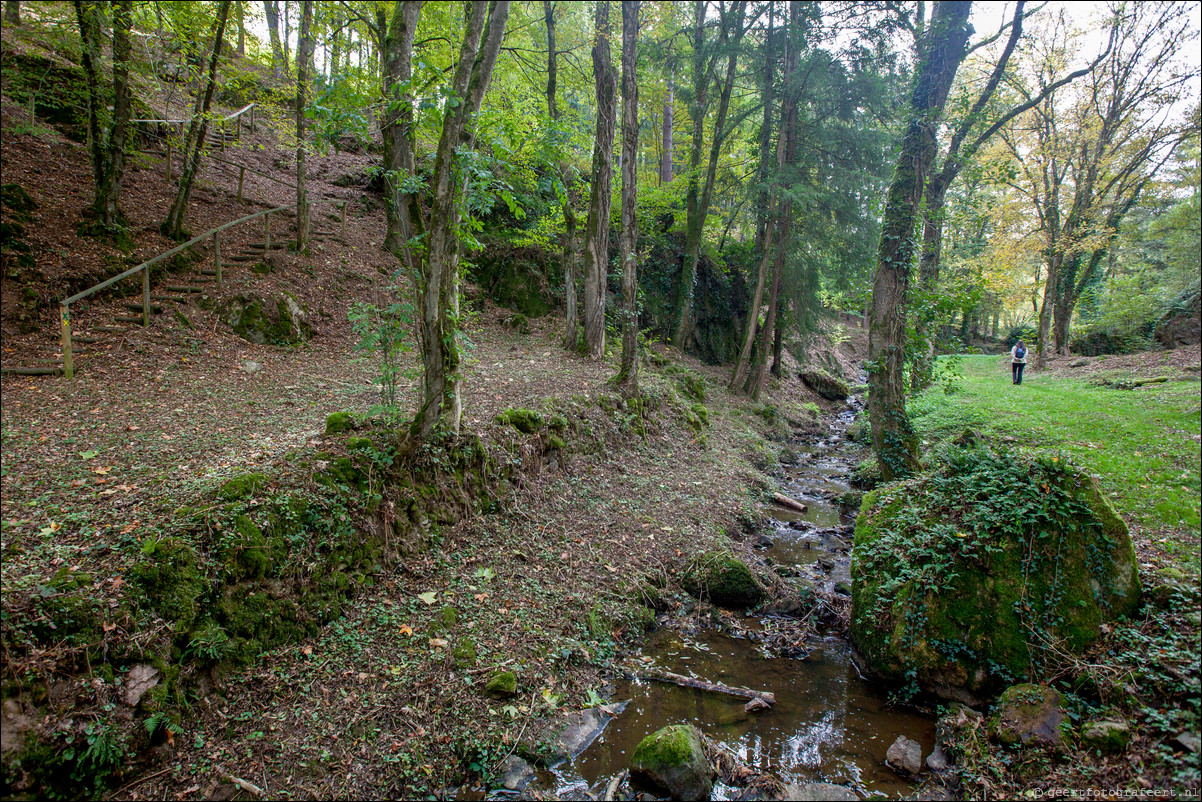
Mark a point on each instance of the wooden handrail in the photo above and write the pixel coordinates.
(236, 114)
(64, 305)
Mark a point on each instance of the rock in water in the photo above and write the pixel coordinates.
(958, 571)
(937, 761)
(824, 384)
(1030, 714)
(673, 759)
(820, 792)
(905, 756)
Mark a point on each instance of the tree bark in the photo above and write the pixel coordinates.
(596, 233)
(570, 239)
(627, 379)
(401, 208)
(665, 159)
(12, 12)
(241, 12)
(304, 55)
(759, 374)
(173, 226)
(272, 10)
(107, 151)
(287, 43)
(697, 200)
(441, 406)
(893, 437)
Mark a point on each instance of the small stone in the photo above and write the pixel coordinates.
(1078, 363)
(905, 756)
(820, 792)
(138, 681)
(1186, 741)
(1108, 735)
(756, 705)
(502, 685)
(1030, 714)
(843, 587)
(937, 761)
(515, 773)
(250, 366)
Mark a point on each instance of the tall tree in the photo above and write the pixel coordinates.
(194, 141)
(241, 14)
(941, 50)
(570, 239)
(279, 63)
(700, 191)
(628, 377)
(666, 146)
(441, 406)
(304, 57)
(401, 209)
(596, 231)
(108, 147)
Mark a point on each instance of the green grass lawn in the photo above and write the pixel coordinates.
(1140, 443)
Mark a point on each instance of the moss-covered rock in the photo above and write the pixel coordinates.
(1106, 735)
(242, 487)
(673, 760)
(502, 685)
(280, 321)
(860, 430)
(527, 421)
(245, 550)
(867, 474)
(171, 580)
(823, 383)
(464, 653)
(959, 571)
(724, 579)
(339, 422)
(1029, 714)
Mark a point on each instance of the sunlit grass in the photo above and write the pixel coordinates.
(1140, 443)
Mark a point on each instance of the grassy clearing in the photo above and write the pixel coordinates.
(1142, 444)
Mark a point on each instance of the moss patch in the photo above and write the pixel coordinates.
(502, 685)
(527, 421)
(169, 576)
(724, 579)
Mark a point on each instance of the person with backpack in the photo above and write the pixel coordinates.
(1018, 360)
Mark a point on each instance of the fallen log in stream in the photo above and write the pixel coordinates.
(659, 675)
(791, 503)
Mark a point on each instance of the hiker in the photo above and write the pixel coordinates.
(1018, 360)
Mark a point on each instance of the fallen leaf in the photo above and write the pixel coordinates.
(102, 471)
(406, 630)
(429, 597)
(479, 596)
(437, 643)
(611, 569)
(88, 454)
(108, 627)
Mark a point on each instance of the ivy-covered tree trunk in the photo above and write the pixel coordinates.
(401, 207)
(627, 379)
(304, 55)
(666, 145)
(108, 148)
(942, 50)
(278, 62)
(700, 193)
(596, 230)
(923, 364)
(570, 238)
(441, 406)
(173, 226)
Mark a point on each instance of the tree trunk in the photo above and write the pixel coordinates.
(570, 239)
(441, 406)
(627, 379)
(742, 364)
(759, 375)
(304, 55)
(108, 152)
(697, 201)
(287, 43)
(272, 10)
(665, 159)
(596, 233)
(194, 142)
(401, 208)
(241, 11)
(12, 12)
(336, 54)
(922, 368)
(893, 437)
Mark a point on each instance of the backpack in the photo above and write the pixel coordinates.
(1020, 352)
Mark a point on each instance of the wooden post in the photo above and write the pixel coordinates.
(221, 131)
(252, 119)
(241, 174)
(217, 256)
(65, 314)
(146, 296)
(342, 222)
(266, 233)
(168, 158)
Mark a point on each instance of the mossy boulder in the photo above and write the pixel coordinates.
(1029, 715)
(860, 430)
(242, 487)
(960, 572)
(724, 579)
(502, 685)
(527, 421)
(1106, 735)
(266, 321)
(170, 578)
(245, 551)
(823, 383)
(673, 760)
(337, 422)
(867, 474)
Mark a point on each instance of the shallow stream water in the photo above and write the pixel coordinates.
(828, 724)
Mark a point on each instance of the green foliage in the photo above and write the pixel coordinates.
(384, 334)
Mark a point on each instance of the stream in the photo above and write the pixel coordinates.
(828, 725)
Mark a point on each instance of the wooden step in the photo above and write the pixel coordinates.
(154, 308)
(83, 338)
(179, 299)
(112, 329)
(185, 290)
(207, 272)
(245, 257)
(27, 371)
(203, 280)
(127, 319)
